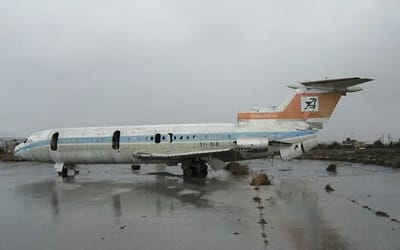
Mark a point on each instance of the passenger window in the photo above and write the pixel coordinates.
(54, 141)
(157, 138)
(115, 139)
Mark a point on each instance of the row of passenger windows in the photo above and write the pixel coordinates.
(170, 137)
(157, 138)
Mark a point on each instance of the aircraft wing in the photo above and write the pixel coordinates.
(279, 143)
(145, 155)
(336, 84)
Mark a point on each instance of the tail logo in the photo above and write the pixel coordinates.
(309, 104)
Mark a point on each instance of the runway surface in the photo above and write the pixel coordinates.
(112, 207)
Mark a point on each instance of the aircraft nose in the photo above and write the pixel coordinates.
(17, 150)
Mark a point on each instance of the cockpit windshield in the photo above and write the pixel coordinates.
(28, 140)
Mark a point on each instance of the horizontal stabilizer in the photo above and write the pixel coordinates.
(342, 84)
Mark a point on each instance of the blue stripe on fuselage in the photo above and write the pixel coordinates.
(185, 138)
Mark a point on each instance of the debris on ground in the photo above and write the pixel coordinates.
(260, 179)
(122, 227)
(328, 188)
(135, 167)
(381, 214)
(237, 169)
(331, 168)
(262, 222)
(395, 220)
(235, 233)
(257, 199)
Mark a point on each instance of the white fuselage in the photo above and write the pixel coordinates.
(125, 144)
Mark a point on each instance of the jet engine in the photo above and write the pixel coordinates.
(297, 149)
(259, 144)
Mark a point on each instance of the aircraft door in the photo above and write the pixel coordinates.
(116, 152)
(54, 147)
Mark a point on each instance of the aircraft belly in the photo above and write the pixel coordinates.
(41, 154)
(85, 153)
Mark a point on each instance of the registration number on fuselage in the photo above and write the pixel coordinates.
(209, 144)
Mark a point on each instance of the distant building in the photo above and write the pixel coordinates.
(354, 143)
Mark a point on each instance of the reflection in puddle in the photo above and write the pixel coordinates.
(158, 194)
(117, 205)
(306, 226)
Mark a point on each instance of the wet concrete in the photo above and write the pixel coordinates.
(113, 207)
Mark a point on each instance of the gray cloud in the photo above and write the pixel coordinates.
(95, 63)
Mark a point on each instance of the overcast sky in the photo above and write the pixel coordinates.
(99, 63)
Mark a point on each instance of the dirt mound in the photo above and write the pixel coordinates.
(237, 169)
(260, 179)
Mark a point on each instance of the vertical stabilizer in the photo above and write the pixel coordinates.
(313, 103)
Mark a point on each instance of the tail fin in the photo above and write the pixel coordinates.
(313, 103)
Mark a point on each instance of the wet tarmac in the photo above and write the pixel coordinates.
(112, 207)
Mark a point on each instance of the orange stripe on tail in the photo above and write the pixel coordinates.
(302, 106)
